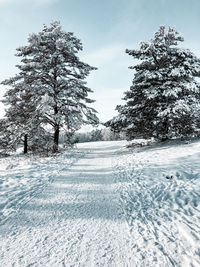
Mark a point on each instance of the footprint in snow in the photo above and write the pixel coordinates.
(169, 177)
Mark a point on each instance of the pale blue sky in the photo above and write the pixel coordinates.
(106, 28)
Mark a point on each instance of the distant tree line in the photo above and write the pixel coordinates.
(105, 134)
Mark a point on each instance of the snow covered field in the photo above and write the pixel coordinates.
(160, 194)
(104, 205)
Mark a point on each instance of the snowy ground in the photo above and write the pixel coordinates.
(160, 194)
(103, 206)
(22, 177)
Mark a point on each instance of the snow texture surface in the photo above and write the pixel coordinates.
(105, 205)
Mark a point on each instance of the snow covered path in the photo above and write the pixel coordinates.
(76, 221)
(111, 207)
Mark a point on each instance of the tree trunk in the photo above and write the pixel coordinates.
(165, 134)
(25, 143)
(164, 139)
(56, 138)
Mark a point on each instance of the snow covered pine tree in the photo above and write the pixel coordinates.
(22, 118)
(164, 99)
(51, 85)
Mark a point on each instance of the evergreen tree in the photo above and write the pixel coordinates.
(7, 142)
(164, 99)
(50, 86)
(96, 135)
(22, 118)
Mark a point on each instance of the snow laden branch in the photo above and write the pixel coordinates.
(164, 99)
(50, 91)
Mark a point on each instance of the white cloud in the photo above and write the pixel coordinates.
(105, 55)
(109, 60)
(109, 81)
(106, 102)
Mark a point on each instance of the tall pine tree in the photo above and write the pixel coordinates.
(50, 86)
(164, 99)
